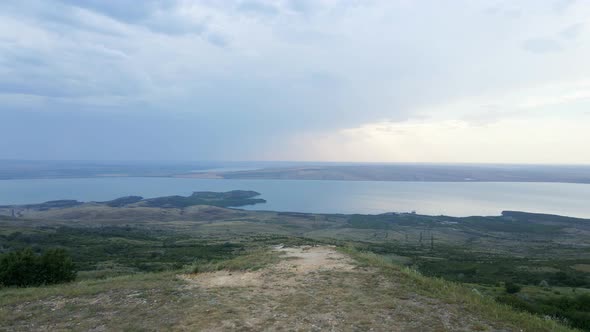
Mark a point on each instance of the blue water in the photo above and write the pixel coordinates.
(434, 198)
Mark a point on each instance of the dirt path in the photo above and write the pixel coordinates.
(318, 289)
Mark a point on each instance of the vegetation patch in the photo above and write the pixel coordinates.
(24, 268)
(456, 293)
(251, 261)
(113, 250)
(227, 199)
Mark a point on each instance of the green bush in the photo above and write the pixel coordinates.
(512, 288)
(24, 268)
(572, 310)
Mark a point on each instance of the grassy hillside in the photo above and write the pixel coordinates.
(275, 290)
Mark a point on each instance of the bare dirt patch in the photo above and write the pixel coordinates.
(311, 259)
(224, 279)
(581, 267)
(297, 262)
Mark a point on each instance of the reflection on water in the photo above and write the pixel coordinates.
(456, 199)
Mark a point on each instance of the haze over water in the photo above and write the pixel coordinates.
(433, 198)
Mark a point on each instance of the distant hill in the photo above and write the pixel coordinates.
(416, 172)
(234, 198)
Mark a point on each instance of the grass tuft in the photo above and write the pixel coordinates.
(252, 261)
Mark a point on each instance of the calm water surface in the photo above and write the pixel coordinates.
(455, 199)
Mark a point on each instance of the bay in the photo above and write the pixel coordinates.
(432, 198)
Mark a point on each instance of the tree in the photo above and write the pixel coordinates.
(512, 288)
(24, 268)
(57, 266)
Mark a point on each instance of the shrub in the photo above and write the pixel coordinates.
(25, 268)
(512, 288)
(573, 310)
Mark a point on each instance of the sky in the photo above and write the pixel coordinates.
(478, 81)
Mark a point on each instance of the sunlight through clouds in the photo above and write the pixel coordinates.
(543, 140)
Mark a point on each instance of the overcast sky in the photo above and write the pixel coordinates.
(329, 80)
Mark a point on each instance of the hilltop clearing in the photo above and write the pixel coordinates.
(300, 289)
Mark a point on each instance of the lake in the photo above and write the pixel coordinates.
(434, 198)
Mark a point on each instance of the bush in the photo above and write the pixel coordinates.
(512, 288)
(25, 268)
(573, 310)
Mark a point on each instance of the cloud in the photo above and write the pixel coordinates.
(217, 39)
(123, 10)
(516, 140)
(511, 12)
(160, 16)
(258, 7)
(302, 6)
(541, 45)
(257, 73)
(560, 6)
(38, 61)
(572, 31)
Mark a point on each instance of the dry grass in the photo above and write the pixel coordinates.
(252, 261)
(454, 293)
(137, 302)
(302, 289)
